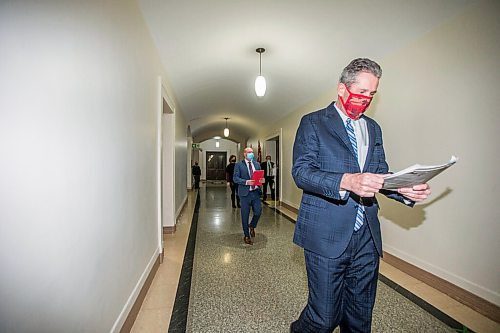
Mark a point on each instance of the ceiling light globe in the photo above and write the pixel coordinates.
(260, 86)
(226, 132)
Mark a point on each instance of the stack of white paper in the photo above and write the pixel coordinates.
(415, 174)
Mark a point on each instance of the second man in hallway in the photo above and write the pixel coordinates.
(268, 168)
(196, 170)
(229, 178)
(249, 194)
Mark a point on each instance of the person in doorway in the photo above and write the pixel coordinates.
(268, 168)
(249, 194)
(339, 163)
(235, 198)
(196, 171)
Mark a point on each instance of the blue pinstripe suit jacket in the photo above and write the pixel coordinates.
(241, 175)
(322, 153)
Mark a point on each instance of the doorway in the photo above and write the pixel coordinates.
(165, 164)
(216, 165)
(272, 147)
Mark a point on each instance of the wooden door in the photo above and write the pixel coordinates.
(216, 165)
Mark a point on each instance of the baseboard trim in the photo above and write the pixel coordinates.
(290, 208)
(169, 230)
(181, 207)
(440, 315)
(463, 296)
(173, 229)
(125, 320)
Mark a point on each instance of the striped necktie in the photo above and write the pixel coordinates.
(352, 138)
(250, 167)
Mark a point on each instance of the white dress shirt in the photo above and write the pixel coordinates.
(253, 169)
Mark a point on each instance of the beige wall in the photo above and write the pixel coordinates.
(438, 96)
(181, 152)
(78, 141)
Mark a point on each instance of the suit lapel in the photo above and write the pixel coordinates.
(256, 166)
(336, 127)
(371, 135)
(245, 167)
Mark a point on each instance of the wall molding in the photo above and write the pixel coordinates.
(125, 320)
(461, 295)
(181, 207)
(172, 229)
(289, 207)
(169, 230)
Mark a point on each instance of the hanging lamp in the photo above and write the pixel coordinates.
(226, 130)
(260, 81)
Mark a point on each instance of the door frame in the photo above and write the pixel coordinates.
(278, 134)
(165, 163)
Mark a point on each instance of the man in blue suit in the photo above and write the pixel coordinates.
(339, 163)
(249, 193)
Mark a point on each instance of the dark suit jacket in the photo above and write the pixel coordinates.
(322, 153)
(263, 166)
(196, 170)
(230, 172)
(241, 175)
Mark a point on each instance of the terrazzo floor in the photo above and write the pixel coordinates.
(263, 288)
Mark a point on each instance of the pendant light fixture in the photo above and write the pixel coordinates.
(260, 81)
(226, 130)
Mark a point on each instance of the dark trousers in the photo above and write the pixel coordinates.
(252, 200)
(196, 181)
(341, 290)
(270, 182)
(234, 194)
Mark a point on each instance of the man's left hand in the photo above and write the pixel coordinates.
(416, 193)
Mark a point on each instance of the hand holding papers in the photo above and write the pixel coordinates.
(415, 174)
(257, 176)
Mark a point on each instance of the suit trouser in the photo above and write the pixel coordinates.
(270, 182)
(197, 181)
(252, 200)
(341, 290)
(234, 193)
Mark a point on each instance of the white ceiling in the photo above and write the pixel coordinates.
(208, 50)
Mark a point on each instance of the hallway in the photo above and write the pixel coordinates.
(263, 288)
(107, 105)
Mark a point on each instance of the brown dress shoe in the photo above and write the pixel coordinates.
(252, 232)
(247, 240)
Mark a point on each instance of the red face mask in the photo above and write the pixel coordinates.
(355, 104)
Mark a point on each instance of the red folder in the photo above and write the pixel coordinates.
(257, 176)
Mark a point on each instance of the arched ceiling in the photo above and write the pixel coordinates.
(208, 50)
(240, 128)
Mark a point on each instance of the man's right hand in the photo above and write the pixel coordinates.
(250, 182)
(363, 184)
